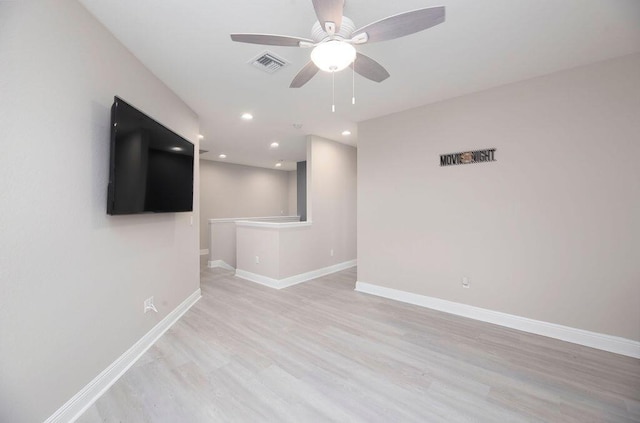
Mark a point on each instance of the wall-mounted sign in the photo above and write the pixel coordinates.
(467, 157)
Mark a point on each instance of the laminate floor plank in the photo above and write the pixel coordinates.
(321, 352)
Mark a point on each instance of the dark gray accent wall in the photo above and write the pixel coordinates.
(301, 169)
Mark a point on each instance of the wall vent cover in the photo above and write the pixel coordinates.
(269, 62)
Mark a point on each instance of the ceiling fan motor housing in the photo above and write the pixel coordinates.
(346, 29)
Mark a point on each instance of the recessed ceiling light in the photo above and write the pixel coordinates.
(200, 136)
(278, 164)
(346, 133)
(247, 116)
(223, 156)
(176, 148)
(274, 145)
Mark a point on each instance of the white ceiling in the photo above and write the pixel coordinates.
(481, 44)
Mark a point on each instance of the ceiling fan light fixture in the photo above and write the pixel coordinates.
(333, 56)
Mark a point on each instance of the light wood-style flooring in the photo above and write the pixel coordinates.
(321, 352)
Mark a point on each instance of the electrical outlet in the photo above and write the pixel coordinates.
(257, 260)
(331, 252)
(465, 282)
(148, 305)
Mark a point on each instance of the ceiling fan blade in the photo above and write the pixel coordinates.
(306, 73)
(369, 68)
(329, 11)
(270, 40)
(397, 26)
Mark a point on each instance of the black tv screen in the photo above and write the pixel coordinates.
(151, 167)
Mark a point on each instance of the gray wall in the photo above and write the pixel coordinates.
(293, 194)
(331, 207)
(231, 190)
(301, 190)
(550, 231)
(72, 279)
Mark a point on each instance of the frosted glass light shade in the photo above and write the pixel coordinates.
(333, 56)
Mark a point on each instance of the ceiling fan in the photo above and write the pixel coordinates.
(334, 37)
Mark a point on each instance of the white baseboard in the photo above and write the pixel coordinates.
(254, 277)
(81, 401)
(296, 279)
(600, 341)
(220, 263)
(204, 252)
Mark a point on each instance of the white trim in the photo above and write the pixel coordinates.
(272, 225)
(204, 251)
(254, 277)
(303, 277)
(81, 401)
(296, 279)
(220, 263)
(264, 218)
(600, 341)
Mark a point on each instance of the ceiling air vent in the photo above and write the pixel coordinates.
(269, 62)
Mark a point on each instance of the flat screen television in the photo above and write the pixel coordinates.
(151, 167)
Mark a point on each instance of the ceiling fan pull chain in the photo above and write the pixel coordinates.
(333, 89)
(353, 82)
